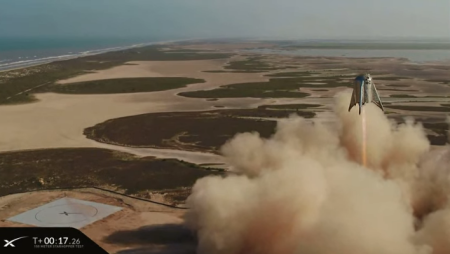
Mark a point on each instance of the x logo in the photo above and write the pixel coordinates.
(9, 243)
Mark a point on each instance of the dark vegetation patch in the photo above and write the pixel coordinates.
(16, 81)
(441, 130)
(254, 63)
(441, 81)
(194, 131)
(222, 71)
(274, 88)
(398, 85)
(290, 106)
(435, 96)
(435, 124)
(123, 85)
(94, 167)
(176, 239)
(389, 78)
(397, 90)
(420, 108)
(402, 95)
(291, 74)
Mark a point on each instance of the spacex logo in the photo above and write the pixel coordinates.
(10, 243)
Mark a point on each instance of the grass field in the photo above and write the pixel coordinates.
(29, 79)
(93, 167)
(125, 85)
(274, 88)
(194, 131)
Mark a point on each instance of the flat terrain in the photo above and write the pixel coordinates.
(18, 86)
(121, 85)
(93, 167)
(149, 122)
(274, 88)
(196, 131)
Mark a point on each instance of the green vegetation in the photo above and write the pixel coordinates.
(29, 79)
(125, 85)
(194, 131)
(274, 88)
(93, 167)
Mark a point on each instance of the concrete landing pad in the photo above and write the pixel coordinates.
(66, 212)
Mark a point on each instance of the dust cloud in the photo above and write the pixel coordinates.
(306, 190)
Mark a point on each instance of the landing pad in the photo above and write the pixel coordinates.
(66, 212)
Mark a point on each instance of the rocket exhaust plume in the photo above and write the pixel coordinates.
(306, 190)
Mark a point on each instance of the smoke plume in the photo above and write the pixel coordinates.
(306, 190)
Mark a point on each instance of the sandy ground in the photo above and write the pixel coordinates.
(133, 70)
(126, 223)
(58, 120)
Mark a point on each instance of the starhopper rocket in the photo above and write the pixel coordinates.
(364, 91)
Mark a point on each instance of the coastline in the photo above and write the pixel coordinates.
(84, 54)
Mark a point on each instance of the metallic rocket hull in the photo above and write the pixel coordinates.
(364, 91)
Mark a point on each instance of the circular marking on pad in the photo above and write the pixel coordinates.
(66, 214)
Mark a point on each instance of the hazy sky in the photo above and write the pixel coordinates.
(303, 19)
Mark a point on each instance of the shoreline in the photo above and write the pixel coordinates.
(80, 55)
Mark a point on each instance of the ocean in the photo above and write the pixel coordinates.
(23, 52)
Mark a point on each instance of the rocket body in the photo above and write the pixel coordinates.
(364, 91)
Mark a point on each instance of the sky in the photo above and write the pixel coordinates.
(280, 19)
